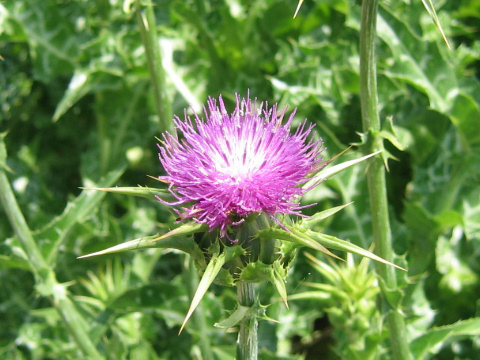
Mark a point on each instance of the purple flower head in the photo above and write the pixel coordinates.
(232, 165)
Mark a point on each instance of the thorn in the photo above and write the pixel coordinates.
(159, 180)
(298, 8)
(183, 325)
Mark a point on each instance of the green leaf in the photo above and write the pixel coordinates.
(427, 343)
(14, 262)
(79, 86)
(389, 132)
(424, 230)
(256, 272)
(275, 273)
(238, 315)
(224, 277)
(312, 295)
(213, 268)
(406, 67)
(471, 209)
(278, 280)
(465, 115)
(328, 272)
(333, 290)
(393, 296)
(97, 78)
(224, 353)
(54, 44)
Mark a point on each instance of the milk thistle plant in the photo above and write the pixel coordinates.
(234, 179)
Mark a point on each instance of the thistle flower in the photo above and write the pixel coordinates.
(233, 165)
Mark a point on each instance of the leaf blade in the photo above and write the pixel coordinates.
(213, 268)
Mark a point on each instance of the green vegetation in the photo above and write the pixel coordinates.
(83, 96)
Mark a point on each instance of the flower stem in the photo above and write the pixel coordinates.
(247, 344)
(148, 29)
(376, 176)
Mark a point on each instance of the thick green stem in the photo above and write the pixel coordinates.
(45, 277)
(376, 176)
(148, 29)
(20, 226)
(247, 344)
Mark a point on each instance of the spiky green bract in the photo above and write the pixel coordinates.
(319, 241)
(213, 268)
(348, 295)
(140, 191)
(168, 240)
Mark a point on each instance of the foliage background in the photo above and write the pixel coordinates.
(77, 103)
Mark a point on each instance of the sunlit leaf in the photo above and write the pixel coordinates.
(329, 171)
(213, 268)
(237, 316)
(334, 243)
(163, 241)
